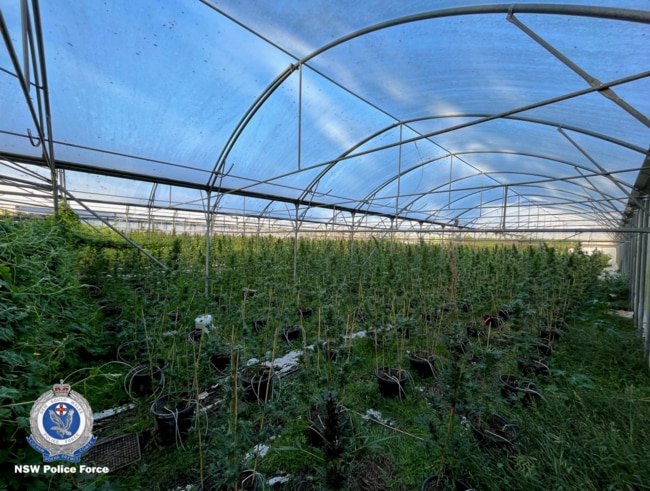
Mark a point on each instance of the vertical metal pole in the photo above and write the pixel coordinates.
(295, 247)
(644, 313)
(208, 240)
(505, 207)
(299, 115)
(638, 268)
(352, 237)
(634, 261)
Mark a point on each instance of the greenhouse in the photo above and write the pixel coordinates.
(309, 245)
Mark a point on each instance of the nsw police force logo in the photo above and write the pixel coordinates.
(62, 423)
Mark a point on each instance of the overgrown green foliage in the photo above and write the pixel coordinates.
(587, 431)
(49, 328)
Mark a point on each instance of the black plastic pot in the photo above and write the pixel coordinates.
(259, 324)
(174, 315)
(220, 361)
(317, 434)
(404, 332)
(195, 335)
(305, 312)
(392, 381)
(422, 363)
(494, 432)
(247, 292)
(173, 417)
(132, 353)
(474, 331)
(110, 310)
(292, 333)
(257, 382)
(544, 347)
(513, 387)
(492, 322)
(549, 336)
(504, 314)
(443, 483)
(533, 366)
(145, 378)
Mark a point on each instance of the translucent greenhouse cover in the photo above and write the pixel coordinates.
(455, 113)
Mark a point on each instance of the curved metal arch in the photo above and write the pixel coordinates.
(567, 206)
(478, 190)
(370, 196)
(575, 205)
(552, 188)
(552, 201)
(348, 153)
(619, 14)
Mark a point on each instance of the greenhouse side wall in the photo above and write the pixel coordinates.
(633, 262)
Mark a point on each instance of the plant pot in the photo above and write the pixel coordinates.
(404, 332)
(492, 322)
(523, 390)
(443, 483)
(174, 315)
(544, 347)
(392, 381)
(195, 335)
(110, 310)
(292, 333)
(318, 435)
(173, 417)
(145, 379)
(533, 366)
(504, 314)
(132, 353)
(221, 361)
(247, 292)
(549, 336)
(464, 306)
(422, 363)
(475, 332)
(258, 324)
(305, 312)
(257, 382)
(494, 432)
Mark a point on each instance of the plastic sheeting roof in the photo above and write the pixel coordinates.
(476, 115)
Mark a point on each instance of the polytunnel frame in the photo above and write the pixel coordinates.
(641, 215)
(217, 172)
(595, 85)
(637, 217)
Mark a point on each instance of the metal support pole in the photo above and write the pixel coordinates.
(638, 270)
(505, 207)
(644, 312)
(208, 240)
(117, 231)
(352, 237)
(295, 247)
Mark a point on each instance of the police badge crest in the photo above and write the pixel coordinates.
(62, 423)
